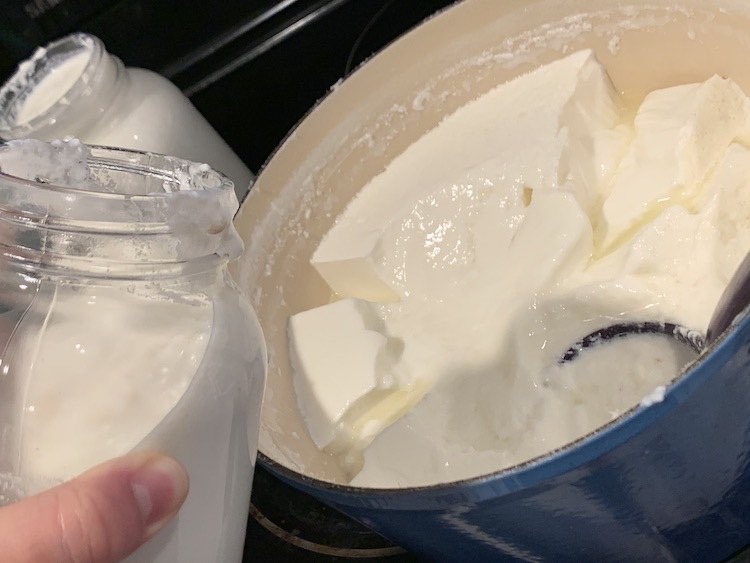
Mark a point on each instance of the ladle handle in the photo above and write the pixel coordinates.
(734, 300)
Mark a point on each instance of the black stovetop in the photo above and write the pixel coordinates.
(288, 525)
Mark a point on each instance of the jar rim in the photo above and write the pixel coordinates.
(199, 176)
(82, 206)
(33, 70)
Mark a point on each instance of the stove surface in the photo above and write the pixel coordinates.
(288, 525)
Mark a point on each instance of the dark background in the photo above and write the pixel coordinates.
(252, 67)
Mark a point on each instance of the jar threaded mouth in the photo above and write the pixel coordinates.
(29, 75)
(71, 202)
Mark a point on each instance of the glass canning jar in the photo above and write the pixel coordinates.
(120, 328)
(74, 87)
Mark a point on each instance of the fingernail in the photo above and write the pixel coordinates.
(159, 486)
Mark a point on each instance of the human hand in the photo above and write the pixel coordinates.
(100, 516)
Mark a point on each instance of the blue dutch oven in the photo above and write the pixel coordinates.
(670, 481)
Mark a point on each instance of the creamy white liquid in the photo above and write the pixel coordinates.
(481, 422)
(94, 368)
(97, 372)
(53, 87)
(101, 371)
(531, 217)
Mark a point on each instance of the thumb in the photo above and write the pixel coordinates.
(100, 516)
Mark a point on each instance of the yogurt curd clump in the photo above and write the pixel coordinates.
(529, 218)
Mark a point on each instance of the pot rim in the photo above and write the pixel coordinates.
(547, 466)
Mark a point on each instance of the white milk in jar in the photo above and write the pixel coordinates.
(122, 330)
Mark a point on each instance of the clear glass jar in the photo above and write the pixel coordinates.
(73, 87)
(122, 329)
